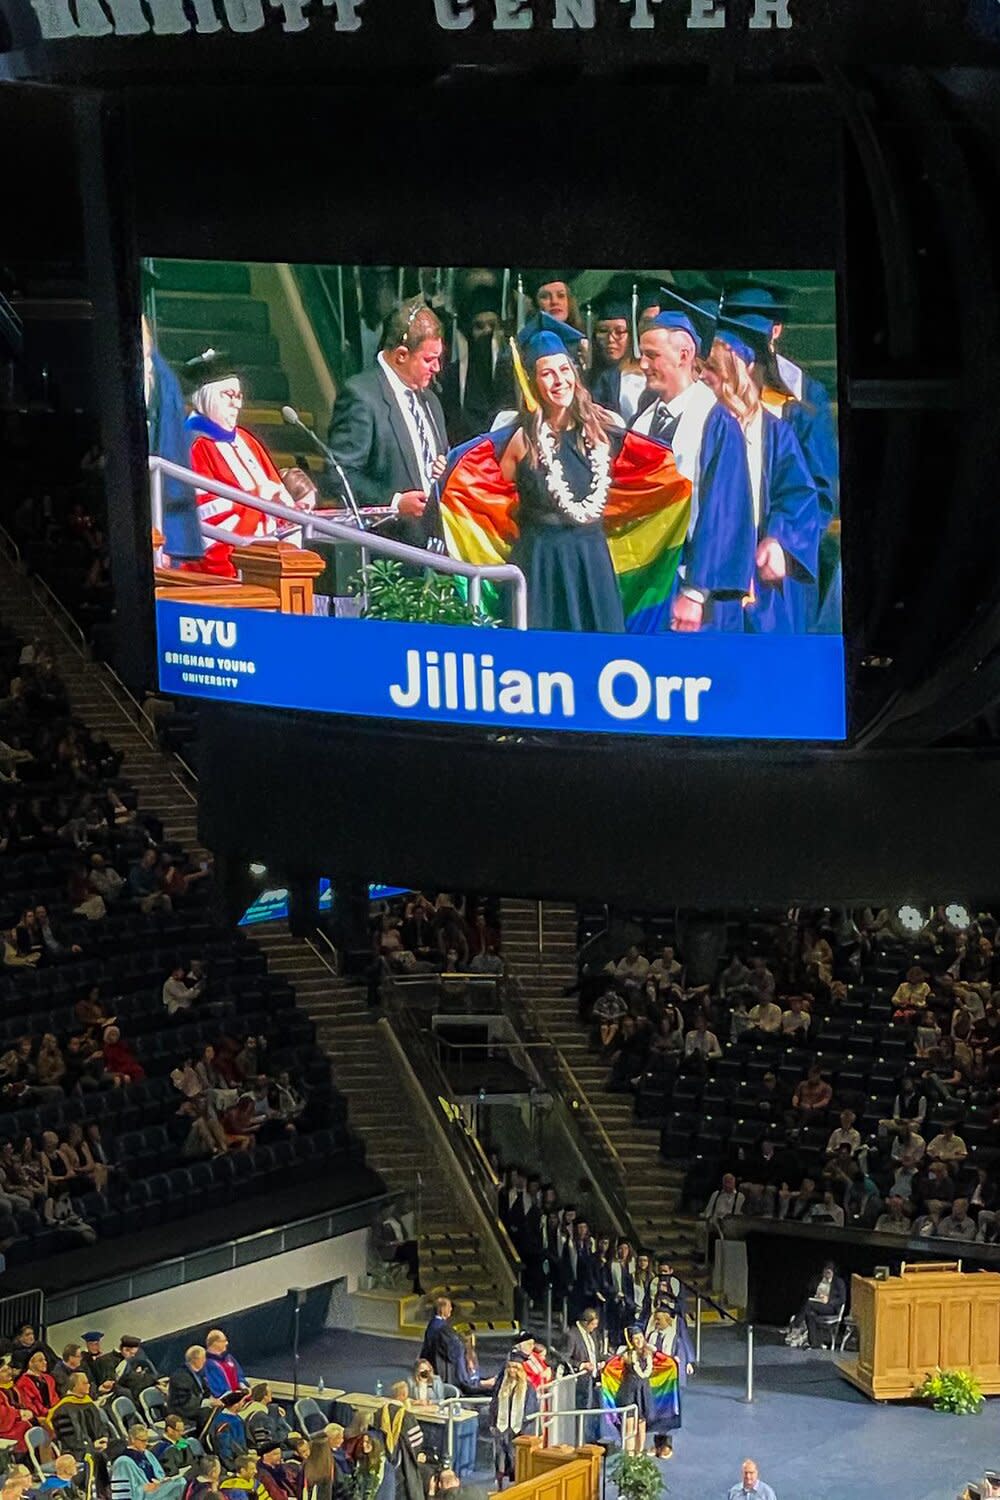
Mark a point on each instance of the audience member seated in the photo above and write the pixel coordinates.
(222, 1370)
(137, 1472)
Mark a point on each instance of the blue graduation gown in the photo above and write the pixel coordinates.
(169, 438)
(790, 513)
(719, 555)
(811, 419)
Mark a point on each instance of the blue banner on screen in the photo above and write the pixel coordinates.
(710, 686)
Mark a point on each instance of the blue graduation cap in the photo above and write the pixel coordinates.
(543, 335)
(678, 312)
(758, 304)
(749, 342)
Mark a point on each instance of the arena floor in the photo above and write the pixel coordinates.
(814, 1436)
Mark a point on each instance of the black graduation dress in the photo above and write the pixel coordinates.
(566, 563)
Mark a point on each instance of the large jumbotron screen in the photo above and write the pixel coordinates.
(545, 499)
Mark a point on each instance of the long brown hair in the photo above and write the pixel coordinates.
(318, 1467)
(584, 416)
(737, 388)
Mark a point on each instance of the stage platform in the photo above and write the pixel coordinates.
(814, 1436)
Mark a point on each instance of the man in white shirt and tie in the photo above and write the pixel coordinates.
(388, 428)
(709, 450)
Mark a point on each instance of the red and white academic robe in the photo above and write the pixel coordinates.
(246, 464)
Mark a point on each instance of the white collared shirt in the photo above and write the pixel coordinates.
(401, 395)
(693, 406)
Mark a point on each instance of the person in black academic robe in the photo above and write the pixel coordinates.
(442, 1347)
(621, 1305)
(479, 382)
(581, 1271)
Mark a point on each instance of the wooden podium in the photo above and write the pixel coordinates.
(928, 1316)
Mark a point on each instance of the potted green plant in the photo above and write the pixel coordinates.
(955, 1391)
(637, 1476)
(389, 592)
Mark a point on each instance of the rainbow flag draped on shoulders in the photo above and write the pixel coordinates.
(664, 1384)
(646, 518)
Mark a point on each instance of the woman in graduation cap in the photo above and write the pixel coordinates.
(594, 517)
(512, 1405)
(787, 521)
(617, 382)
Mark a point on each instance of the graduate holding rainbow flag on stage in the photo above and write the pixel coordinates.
(594, 517)
(641, 1376)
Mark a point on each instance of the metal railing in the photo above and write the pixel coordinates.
(340, 533)
(20, 1308)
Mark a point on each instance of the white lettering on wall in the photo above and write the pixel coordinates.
(128, 17)
(244, 15)
(91, 19)
(55, 19)
(295, 18)
(769, 15)
(574, 15)
(347, 14)
(642, 16)
(169, 18)
(706, 16)
(453, 15)
(513, 15)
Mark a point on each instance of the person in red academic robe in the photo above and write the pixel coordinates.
(36, 1387)
(229, 454)
(15, 1417)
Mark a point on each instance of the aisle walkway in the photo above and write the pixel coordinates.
(813, 1435)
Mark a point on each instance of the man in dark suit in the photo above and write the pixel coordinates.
(388, 428)
(442, 1348)
(188, 1394)
(586, 1352)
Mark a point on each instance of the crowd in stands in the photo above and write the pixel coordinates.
(449, 934)
(835, 1068)
(57, 515)
(90, 1421)
(148, 1061)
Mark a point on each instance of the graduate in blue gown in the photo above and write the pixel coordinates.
(805, 404)
(785, 522)
(707, 442)
(166, 413)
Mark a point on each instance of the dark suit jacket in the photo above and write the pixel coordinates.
(186, 1392)
(372, 443)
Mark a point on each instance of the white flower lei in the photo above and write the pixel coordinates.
(591, 507)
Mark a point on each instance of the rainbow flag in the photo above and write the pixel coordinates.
(664, 1385)
(646, 518)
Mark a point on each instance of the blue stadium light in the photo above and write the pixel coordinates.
(910, 918)
(958, 915)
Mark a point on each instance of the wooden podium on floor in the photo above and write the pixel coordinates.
(929, 1315)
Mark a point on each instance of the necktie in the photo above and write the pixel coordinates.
(426, 451)
(664, 425)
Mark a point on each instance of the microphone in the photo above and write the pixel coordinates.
(291, 416)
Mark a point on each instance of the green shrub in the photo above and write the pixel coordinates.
(637, 1476)
(390, 592)
(953, 1390)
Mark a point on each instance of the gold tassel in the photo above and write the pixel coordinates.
(530, 399)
